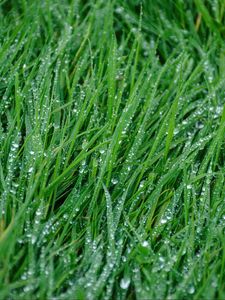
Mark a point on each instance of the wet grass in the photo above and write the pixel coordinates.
(112, 126)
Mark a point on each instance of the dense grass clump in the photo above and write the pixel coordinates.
(112, 153)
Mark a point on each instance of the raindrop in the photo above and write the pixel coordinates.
(124, 283)
(124, 259)
(191, 289)
(65, 216)
(114, 181)
(145, 244)
(163, 221)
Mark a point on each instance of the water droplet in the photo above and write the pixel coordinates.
(114, 181)
(124, 283)
(65, 216)
(163, 221)
(124, 259)
(38, 212)
(145, 244)
(33, 239)
(199, 125)
(191, 289)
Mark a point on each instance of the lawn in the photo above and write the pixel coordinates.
(112, 149)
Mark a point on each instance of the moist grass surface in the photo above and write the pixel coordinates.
(112, 153)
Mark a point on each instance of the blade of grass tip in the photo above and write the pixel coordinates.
(198, 22)
(4, 48)
(174, 171)
(17, 100)
(122, 86)
(133, 71)
(69, 169)
(49, 18)
(5, 234)
(85, 108)
(138, 39)
(186, 196)
(162, 129)
(2, 179)
(172, 120)
(220, 137)
(111, 76)
(120, 205)
(110, 221)
(123, 121)
(78, 53)
(54, 177)
(206, 16)
(213, 148)
(157, 140)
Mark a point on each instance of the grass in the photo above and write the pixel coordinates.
(112, 126)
